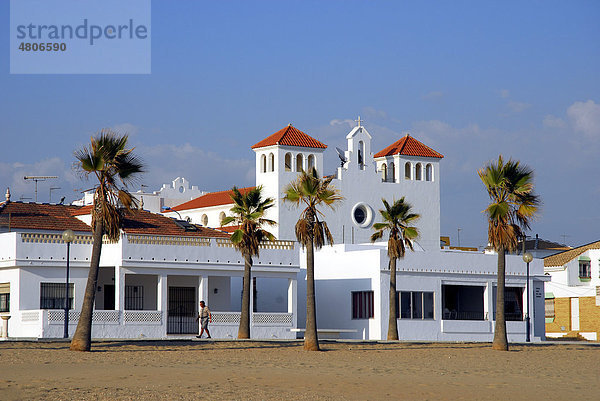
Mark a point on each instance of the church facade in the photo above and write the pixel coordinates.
(443, 294)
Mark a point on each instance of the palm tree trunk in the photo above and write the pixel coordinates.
(311, 340)
(82, 339)
(392, 334)
(244, 329)
(500, 340)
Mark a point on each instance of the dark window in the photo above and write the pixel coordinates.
(549, 306)
(585, 269)
(4, 297)
(415, 305)
(513, 303)
(52, 296)
(134, 297)
(360, 215)
(462, 302)
(5, 302)
(362, 305)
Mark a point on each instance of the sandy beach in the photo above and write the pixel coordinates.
(227, 370)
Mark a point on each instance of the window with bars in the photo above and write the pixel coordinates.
(362, 305)
(585, 269)
(52, 296)
(549, 306)
(415, 305)
(4, 297)
(134, 297)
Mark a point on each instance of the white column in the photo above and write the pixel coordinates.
(488, 301)
(162, 294)
(119, 288)
(293, 300)
(203, 290)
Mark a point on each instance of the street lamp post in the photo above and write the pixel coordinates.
(68, 236)
(527, 257)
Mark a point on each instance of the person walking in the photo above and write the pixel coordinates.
(205, 317)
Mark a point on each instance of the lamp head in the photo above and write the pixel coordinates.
(527, 257)
(68, 236)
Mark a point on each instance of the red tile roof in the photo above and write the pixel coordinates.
(144, 222)
(409, 146)
(290, 136)
(229, 229)
(210, 199)
(38, 216)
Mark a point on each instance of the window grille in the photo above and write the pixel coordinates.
(134, 297)
(362, 305)
(415, 305)
(52, 295)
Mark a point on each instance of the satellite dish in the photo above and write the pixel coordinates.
(341, 155)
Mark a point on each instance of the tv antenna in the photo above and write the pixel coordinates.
(341, 155)
(37, 178)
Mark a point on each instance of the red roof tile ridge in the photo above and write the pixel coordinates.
(290, 136)
(209, 199)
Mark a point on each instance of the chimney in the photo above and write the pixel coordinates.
(7, 195)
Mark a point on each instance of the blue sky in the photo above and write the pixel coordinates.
(470, 79)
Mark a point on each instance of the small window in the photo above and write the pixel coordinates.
(288, 162)
(429, 172)
(360, 215)
(549, 306)
(384, 172)
(361, 153)
(204, 220)
(4, 297)
(407, 169)
(585, 269)
(221, 217)
(418, 171)
(52, 296)
(392, 176)
(299, 162)
(271, 162)
(263, 164)
(311, 162)
(134, 297)
(415, 305)
(362, 305)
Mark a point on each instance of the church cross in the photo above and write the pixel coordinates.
(359, 121)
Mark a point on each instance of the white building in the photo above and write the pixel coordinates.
(178, 191)
(150, 281)
(573, 294)
(443, 294)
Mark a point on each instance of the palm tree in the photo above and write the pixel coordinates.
(248, 212)
(513, 205)
(396, 219)
(311, 191)
(108, 159)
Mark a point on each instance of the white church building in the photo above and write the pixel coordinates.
(443, 294)
(153, 278)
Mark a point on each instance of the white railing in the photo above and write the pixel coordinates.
(30, 316)
(272, 319)
(142, 317)
(167, 240)
(57, 316)
(277, 244)
(226, 317)
(258, 319)
(54, 238)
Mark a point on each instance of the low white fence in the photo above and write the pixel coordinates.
(118, 324)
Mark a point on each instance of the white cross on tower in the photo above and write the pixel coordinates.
(359, 121)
